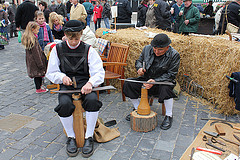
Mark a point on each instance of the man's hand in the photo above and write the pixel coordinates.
(141, 71)
(67, 81)
(186, 22)
(18, 28)
(87, 88)
(148, 86)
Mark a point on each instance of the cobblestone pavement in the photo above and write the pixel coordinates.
(42, 137)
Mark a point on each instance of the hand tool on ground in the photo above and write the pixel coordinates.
(220, 129)
(110, 123)
(209, 150)
(214, 134)
(213, 140)
(217, 119)
(210, 144)
(135, 81)
(220, 121)
(79, 91)
(232, 79)
(230, 141)
(192, 152)
(238, 138)
(210, 141)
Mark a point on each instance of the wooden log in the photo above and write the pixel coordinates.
(220, 129)
(143, 123)
(78, 125)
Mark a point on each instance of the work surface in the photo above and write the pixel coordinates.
(40, 136)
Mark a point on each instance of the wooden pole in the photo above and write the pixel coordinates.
(144, 108)
(78, 125)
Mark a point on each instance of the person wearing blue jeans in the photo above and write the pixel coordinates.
(106, 14)
(89, 9)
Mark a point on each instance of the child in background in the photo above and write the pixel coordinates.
(36, 61)
(45, 33)
(56, 25)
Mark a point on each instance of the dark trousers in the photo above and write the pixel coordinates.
(133, 90)
(66, 107)
(12, 28)
(38, 82)
(98, 24)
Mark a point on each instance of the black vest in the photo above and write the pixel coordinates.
(74, 62)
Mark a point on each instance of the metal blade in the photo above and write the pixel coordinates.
(79, 90)
(230, 141)
(214, 134)
(236, 137)
(161, 83)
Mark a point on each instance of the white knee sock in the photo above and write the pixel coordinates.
(135, 103)
(67, 123)
(91, 119)
(169, 106)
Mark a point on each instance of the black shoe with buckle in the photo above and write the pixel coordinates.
(167, 123)
(72, 149)
(87, 149)
(129, 116)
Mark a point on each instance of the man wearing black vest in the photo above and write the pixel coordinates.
(74, 58)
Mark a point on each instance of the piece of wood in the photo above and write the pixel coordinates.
(143, 123)
(220, 129)
(143, 107)
(78, 125)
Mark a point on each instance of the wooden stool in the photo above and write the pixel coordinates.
(143, 120)
(163, 106)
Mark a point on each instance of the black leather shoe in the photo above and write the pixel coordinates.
(72, 149)
(87, 149)
(129, 116)
(167, 123)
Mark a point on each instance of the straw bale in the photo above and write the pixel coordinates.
(206, 60)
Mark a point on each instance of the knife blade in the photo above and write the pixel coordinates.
(192, 152)
(214, 134)
(230, 141)
(236, 137)
(79, 91)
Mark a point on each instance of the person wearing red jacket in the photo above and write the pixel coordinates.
(98, 13)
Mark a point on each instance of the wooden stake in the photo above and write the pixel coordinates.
(78, 125)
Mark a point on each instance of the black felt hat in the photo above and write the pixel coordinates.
(73, 26)
(161, 41)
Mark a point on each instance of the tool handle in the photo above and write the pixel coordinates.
(232, 79)
(209, 150)
(236, 128)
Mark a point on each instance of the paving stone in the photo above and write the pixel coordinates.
(34, 124)
(184, 140)
(45, 140)
(132, 140)
(118, 157)
(9, 153)
(125, 151)
(23, 143)
(164, 145)
(21, 133)
(161, 155)
(186, 130)
(51, 150)
(169, 135)
(124, 128)
(110, 146)
(137, 155)
(101, 154)
(39, 131)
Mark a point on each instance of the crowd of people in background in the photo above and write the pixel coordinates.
(180, 16)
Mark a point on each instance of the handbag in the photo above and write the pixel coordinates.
(95, 18)
(3, 37)
(231, 27)
(19, 36)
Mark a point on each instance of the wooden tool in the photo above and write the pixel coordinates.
(143, 120)
(78, 125)
(219, 128)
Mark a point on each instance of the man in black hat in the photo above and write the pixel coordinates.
(161, 64)
(74, 58)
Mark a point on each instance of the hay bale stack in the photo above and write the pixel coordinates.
(206, 60)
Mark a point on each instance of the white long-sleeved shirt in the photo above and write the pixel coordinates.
(95, 64)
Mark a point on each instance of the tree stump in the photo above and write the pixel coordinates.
(143, 123)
